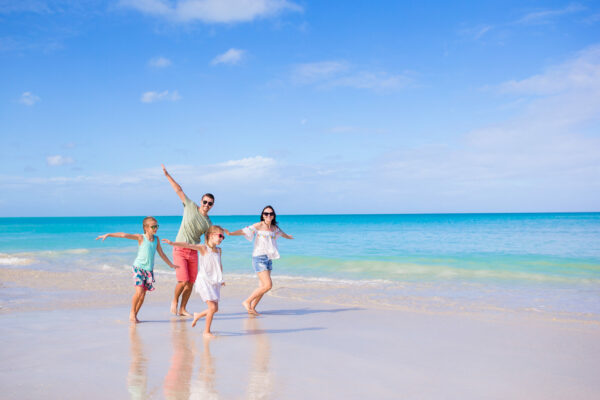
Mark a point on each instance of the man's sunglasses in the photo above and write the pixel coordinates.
(210, 203)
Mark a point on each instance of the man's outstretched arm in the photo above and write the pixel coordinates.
(175, 185)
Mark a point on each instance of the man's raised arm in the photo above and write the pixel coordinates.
(175, 185)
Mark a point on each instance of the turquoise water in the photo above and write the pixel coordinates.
(547, 259)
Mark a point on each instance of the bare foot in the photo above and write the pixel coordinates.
(133, 318)
(208, 335)
(248, 308)
(197, 316)
(174, 307)
(184, 313)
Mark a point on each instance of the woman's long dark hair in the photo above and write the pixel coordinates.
(262, 217)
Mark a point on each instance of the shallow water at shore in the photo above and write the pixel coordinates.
(543, 263)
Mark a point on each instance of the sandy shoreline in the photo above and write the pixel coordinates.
(25, 289)
(80, 345)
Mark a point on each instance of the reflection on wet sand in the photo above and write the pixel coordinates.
(137, 375)
(204, 387)
(260, 383)
(179, 384)
(178, 379)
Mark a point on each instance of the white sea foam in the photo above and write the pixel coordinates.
(9, 259)
(106, 267)
(56, 253)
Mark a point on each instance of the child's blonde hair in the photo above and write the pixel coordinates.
(146, 220)
(212, 229)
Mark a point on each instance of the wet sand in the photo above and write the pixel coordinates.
(295, 350)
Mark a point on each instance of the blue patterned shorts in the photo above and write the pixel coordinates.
(142, 277)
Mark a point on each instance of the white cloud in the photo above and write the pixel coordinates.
(592, 19)
(250, 162)
(317, 71)
(371, 80)
(545, 16)
(58, 160)
(212, 11)
(477, 32)
(240, 172)
(28, 99)
(547, 157)
(151, 97)
(231, 57)
(580, 73)
(329, 74)
(159, 62)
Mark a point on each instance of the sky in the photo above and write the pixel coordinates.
(314, 107)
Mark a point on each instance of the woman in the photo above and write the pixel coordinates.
(265, 234)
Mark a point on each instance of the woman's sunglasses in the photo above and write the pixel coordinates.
(210, 203)
(269, 214)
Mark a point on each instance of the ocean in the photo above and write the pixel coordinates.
(547, 262)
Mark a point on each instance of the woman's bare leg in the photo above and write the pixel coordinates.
(265, 284)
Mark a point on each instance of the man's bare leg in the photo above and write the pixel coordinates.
(178, 290)
(185, 296)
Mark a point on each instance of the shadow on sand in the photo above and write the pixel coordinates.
(305, 311)
(251, 332)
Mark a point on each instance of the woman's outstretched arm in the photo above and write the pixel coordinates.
(239, 232)
(285, 235)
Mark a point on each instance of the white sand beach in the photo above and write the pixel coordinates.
(57, 344)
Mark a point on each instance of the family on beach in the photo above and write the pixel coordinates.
(205, 273)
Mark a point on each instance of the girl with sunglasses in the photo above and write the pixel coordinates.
(143, 266)
(210, 273)
(264, 234)
(194, 224)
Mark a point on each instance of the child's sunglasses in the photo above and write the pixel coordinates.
(154, 226)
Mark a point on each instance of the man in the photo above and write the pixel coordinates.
(194, 224)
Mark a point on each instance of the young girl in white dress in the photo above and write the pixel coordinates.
(264, 234)
(210, 273)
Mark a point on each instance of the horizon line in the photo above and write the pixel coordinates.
(320, 214)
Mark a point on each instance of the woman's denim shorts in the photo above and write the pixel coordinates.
(262, 263)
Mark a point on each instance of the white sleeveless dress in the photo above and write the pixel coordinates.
(210, 276)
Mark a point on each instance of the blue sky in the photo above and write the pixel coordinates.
(312, 106)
